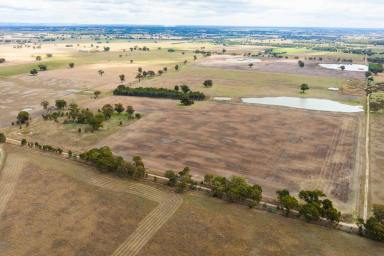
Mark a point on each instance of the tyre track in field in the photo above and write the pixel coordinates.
(8, 179)
(333, 169)
(148, 227)
(322, 180)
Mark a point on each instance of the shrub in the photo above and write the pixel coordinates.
(2, 138)
(208, 83)
(376, 68)
(33, 72)
(22, 117)
(42, 67)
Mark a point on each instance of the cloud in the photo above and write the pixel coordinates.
(323, 13)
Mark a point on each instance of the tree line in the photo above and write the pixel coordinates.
(43, 147)
(178, 93)
(373, 228)
(236, 189)
(105, 161)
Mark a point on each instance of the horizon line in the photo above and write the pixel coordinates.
(18, 24)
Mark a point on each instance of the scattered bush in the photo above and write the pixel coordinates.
(2, 138)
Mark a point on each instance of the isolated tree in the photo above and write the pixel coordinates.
(342, 68)
(97, 94)
(22, 117)
(122, 78)
(60, 104)
(304, 87)
(100, 72)
(71, 65)
(177, 67)
(119, 108)
(130, 111)
(44, 104)
(139, 76)
(301, 63)
(107, 111)
(194, 57)
(177, 88)
(131, 61)
(43, 67)
(140, 69)
(33, 72)
(250, 65)
(38, 58)
(208, 83)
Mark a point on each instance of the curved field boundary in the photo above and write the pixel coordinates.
(8, 179)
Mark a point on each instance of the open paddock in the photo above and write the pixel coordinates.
(53, 212)
(271, 146)
(289, 66)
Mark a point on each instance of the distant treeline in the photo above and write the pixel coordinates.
(369, 52)
(376, 59)
(156, 93)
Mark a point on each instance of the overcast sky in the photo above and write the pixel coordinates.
(306, 13)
